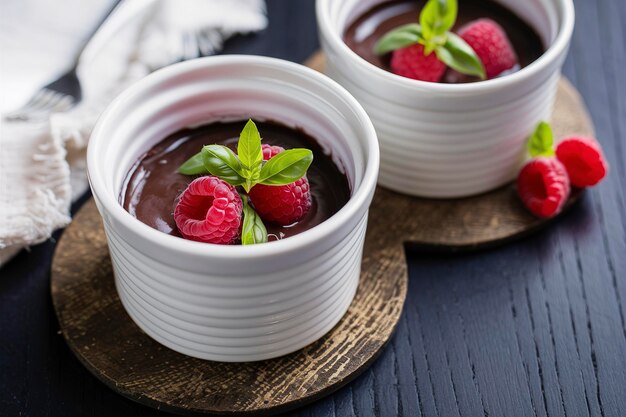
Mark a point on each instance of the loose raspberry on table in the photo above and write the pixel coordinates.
(543, 186)
(411, 62)
(583, 159)
(209, 210)
(282, 204)
(489, 41)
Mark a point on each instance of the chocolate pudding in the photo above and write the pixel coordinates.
(366, 30)
(152, 185)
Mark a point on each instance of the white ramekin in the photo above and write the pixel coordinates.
(234, 303)
(443, 140)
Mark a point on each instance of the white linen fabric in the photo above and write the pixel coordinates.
(42, 164)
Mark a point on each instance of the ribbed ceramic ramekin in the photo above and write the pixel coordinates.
(234, 303)
(450, 140)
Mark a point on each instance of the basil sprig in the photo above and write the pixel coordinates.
(436, 19)
(541, 141)
(433, 31)
(247, 169)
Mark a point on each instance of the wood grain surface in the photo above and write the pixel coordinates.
(112, 347)
(485, 220)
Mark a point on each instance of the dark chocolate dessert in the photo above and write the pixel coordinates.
(153, 185)
(363, 33)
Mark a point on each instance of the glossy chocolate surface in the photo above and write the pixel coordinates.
(366, 30)
(152, 186)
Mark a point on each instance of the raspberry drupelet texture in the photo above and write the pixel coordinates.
(209, 210)
(411, 62)
(583, 159)
(489, 41)
(282, 204)
(270, 151)
(543, 186)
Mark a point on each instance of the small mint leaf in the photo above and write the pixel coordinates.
(541, 141)
(223, 163)
(253, 230)
(249, 150)
(436, 19)
(458, 55)
(193, 166)
(286, 167)
(400, 37)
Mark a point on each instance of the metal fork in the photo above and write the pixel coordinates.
(65, 92)
(58, 96)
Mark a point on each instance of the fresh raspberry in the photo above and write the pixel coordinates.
(491, 44)
(543, 186)
(282, 204)
(270, 151)
(209, 210)
(411, 62)
(583, 160)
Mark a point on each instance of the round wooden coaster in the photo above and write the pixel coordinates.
(115, 350)
(481, 221)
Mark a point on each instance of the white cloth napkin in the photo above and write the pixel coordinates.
(42, 164)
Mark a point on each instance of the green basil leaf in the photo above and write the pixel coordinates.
(286, 167)
(223, 163)
(193, 165)
(437, 18)
(449, 12)
(400, 37)
(249, 149)
(458, 55)
(541, 141)
(253, 230)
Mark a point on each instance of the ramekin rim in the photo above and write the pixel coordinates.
(561, 43)
(358, 199)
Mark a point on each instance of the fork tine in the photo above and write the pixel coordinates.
(36, 97)
(44, 102)
(184, 47)
(33, 103)
(55, 99)
(187, 46)
(47, 100)
(206, 42)
(191, 49)
(63, 104)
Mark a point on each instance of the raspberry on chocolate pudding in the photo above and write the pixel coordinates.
(502, 41)
(284, 204)
(155, 190)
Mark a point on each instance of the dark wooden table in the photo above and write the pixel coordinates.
(536, 328)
